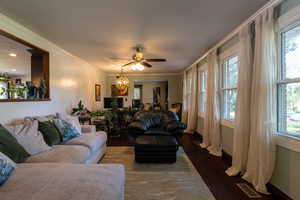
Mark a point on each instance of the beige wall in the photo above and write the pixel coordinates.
(174, 84)
(71, 79)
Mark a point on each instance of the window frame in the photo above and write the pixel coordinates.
(286, 22)
(202, 69)
(227, 54)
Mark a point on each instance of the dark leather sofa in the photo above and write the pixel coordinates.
(156, 123)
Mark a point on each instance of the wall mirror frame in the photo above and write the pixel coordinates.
(36, 85)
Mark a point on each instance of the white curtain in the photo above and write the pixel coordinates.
(212, 132)
(241, 135)
(261, 155)
(184, 100)
(193, 101)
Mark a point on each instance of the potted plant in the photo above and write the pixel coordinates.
(98, 114)
(42, 89)
(22, 92)
(80, 109)
(4, 77)
(12, 91)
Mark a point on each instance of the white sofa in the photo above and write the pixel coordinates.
(63, 181)
(68, 172)
(88, 148)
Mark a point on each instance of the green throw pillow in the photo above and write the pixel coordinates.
(50, 133)
(10, 146)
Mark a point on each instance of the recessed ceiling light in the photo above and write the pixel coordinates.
(12, 55)
(13, 70)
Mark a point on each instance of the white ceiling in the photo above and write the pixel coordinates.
(98, 30)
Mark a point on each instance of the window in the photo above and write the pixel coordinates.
(229, 86)
(289, 82)
(203, 84)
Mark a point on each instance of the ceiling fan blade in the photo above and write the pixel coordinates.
(156, 60)
(128, 64)
(146, 64)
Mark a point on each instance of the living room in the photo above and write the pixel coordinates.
(113, 100)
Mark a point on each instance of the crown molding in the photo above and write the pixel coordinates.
(148, 75)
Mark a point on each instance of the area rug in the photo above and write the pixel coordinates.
(178, 181)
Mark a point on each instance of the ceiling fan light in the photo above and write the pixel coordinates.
(133, 67)
(141, 68)
(138, 66)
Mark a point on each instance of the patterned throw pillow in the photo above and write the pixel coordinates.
(7, 166)
(70, 119)
(67, 130)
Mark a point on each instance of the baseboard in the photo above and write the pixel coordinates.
(227, 157)
(276, 193)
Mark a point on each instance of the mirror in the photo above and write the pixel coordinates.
(24, 70)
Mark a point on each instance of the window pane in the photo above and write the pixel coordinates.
(230, 72)
(137, 93)
(291, 53)
(229, 104)
(203, 102)
(289, 108)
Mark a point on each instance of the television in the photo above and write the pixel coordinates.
(109, 100)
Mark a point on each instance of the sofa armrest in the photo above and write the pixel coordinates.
(174, 125)
(137, 125)
(88, 129)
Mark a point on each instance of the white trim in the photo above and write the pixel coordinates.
(228, 123)
(148, 74)
(288, 142)
(289, 18)
(237, 29)
(229, 88)
(294, 80)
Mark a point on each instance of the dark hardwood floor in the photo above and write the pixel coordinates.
(211, 168)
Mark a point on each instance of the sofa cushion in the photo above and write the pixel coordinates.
(66, 129)
(50, 133)
(7, 166)
(48, 181)
(29, 137)
(93, 141)
(10, 146)
(62, 154)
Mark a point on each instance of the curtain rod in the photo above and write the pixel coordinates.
(237, 29)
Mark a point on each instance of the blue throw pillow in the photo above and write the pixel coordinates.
(7, 166)
(67, 130)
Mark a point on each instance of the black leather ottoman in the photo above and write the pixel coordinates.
(155, 149)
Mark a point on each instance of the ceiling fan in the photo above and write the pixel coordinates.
(139, 62)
